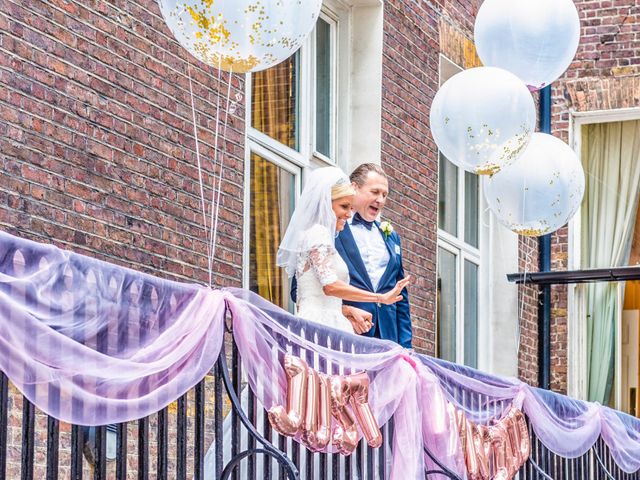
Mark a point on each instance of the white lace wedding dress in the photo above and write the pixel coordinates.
(319, 264)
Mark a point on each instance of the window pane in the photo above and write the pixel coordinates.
(470, 314)
(275, 102)
(448, 196)
(272, 203)
(471, 208)
(446, 305)
(323, 88)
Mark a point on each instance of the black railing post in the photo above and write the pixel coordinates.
(198, 453)
(4, 422)
(181, 440)
(121, 455)
(218, 417)
(544, 261)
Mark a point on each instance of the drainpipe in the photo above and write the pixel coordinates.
(544, 264)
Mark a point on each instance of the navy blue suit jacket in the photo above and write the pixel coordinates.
(390, 322)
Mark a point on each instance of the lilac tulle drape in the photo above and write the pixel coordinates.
(91, 343)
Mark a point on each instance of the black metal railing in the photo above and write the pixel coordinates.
(220, 411)
(596, 464)
(173, 443)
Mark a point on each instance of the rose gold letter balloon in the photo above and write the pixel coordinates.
(514, 458)
(345, 434)
(360, 405)
(311, 408)
(483, 449)
(320, 436)
(525, 441)
(502, 453)
(471, 432)
(288, 421)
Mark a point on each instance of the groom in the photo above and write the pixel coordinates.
(374, 257)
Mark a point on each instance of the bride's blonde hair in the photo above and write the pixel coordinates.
(342, 189)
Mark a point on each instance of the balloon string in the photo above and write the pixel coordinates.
(200, 180)
(220, 170)
(213, 182)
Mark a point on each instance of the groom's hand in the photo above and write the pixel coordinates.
(361, 320)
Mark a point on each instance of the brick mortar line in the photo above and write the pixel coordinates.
(418, 194)
(393, 99)
(136, 233)
(432, 12)
(169, 38)
(390, 61)
(183, 220)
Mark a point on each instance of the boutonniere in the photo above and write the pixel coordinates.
(386, 228)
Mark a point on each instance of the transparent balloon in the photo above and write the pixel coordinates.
(241, 35)
(539, 193)
(534, 39)
(482, 119)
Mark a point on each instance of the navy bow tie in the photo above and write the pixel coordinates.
(358, 220)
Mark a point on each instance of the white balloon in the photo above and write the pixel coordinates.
(534, 39)
(482, 119)
(541, 191)
(241, 35)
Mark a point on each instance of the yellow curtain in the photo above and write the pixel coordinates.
(273, 113)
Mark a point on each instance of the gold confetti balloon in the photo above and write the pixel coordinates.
(541, 191)
(482, 119)
(241, 35)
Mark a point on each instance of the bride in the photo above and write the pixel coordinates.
(308, 251)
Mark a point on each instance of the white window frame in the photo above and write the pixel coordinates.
(462, 250)
(334, 22)
(278, 161)
(337, 14)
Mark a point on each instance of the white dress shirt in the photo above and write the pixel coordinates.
(373, 251)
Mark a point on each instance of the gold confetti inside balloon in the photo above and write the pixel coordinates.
(241, 35)
(541, 191)
(482, 119)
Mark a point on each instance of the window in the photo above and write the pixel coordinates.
(292, 118)
(324, 45)
(293, 104)
(458, 257)
(272, 200)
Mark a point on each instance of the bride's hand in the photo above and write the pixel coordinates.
(394, 295)
(361, 320)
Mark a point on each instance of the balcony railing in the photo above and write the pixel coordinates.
(221, 412)
(172, 444)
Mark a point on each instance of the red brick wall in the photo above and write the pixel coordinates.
(605, 75)
(96, 137)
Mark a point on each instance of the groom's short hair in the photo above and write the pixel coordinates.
(362, 171)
